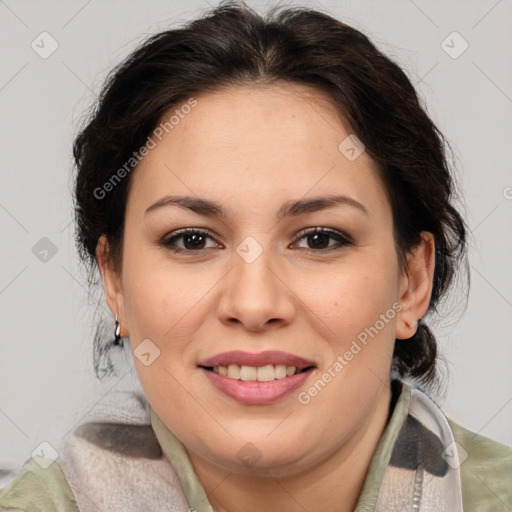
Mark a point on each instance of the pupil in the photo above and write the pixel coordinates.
(320, 236)
(194, 241)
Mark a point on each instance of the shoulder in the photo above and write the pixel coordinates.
(486, 471)
(40, 486)
(110, 466)
(106, 466)
(117, 467)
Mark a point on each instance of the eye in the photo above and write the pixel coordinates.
(193, 240)
(322, 238)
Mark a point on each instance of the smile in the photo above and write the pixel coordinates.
(257, 379)
(265, 373)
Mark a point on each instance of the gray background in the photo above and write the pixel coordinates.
(47, 382)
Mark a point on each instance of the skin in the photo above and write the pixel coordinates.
(251, 149)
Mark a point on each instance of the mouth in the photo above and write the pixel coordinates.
(266, 373)
(257, 379)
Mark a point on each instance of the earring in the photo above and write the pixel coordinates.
(117, 334)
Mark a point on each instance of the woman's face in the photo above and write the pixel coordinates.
(251, 172)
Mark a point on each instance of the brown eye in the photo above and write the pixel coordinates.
(194, 241)
(318, 240)
(324, 239)
(188, 240)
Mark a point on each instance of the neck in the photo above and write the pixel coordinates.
(335, 482)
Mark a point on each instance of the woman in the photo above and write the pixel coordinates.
(270, 210)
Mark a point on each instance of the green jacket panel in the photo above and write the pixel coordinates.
(40, 486)
(486, 471)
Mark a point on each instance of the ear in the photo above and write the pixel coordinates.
(111, 283)
(415, 287)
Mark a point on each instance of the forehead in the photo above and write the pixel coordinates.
(257, 140)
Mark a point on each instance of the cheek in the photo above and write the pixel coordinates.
(348, 302)
(359, 308)
(167, 307)
(162, 301)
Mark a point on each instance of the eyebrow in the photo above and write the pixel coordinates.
(288, 209)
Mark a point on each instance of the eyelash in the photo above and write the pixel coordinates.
(343, 239)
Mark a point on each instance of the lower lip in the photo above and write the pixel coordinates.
(253, 392)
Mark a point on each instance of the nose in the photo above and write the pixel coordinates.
(256, 296)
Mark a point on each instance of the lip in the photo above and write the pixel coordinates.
(257, 359)
(255, 392)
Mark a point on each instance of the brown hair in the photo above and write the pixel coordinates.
(232, 45)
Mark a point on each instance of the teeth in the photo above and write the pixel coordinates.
(248, 373)
(259, 373)
(233, 371)
(266, 373)
(281, 371)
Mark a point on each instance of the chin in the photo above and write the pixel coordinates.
(259, 456)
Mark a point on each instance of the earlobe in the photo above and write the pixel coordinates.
(406, 328)
(416, 286)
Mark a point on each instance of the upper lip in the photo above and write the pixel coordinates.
(242, 358)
